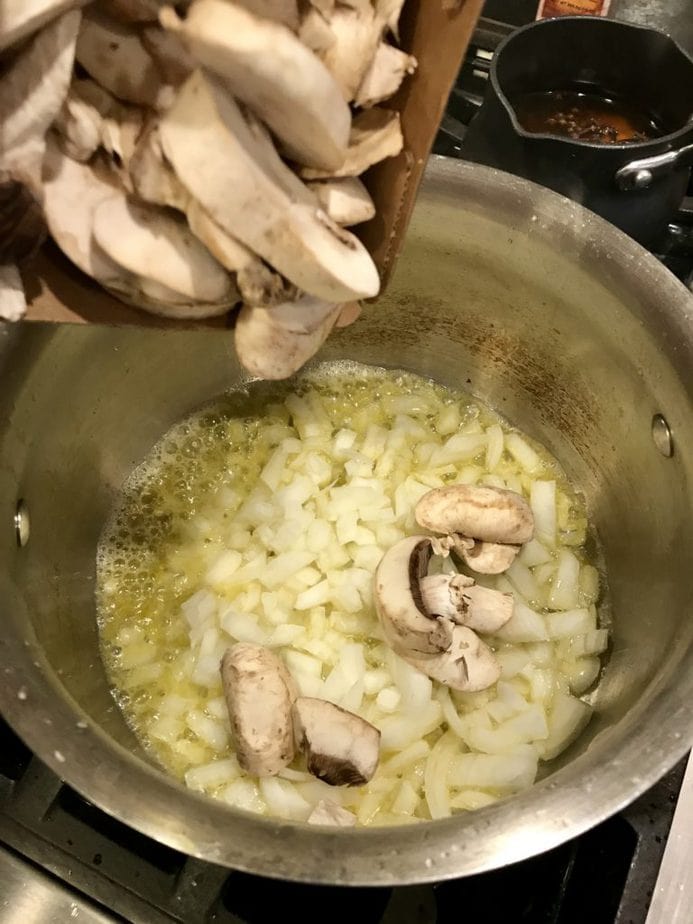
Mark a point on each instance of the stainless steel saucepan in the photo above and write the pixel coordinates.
(548, 314)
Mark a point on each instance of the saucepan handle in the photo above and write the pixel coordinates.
(639, 174)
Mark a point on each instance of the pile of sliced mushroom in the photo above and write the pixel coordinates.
(209, 158)
(432, 621)
(269, 722)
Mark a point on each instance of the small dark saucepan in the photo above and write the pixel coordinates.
(636, 185)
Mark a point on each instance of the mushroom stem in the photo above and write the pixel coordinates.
(485, 557)
(458, 598)
(469, 665)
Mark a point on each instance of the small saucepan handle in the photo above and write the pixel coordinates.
(639, 174)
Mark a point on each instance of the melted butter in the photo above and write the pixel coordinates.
(174, 513)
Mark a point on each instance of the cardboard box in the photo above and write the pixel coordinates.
(437, 32)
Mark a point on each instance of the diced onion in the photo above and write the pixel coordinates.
(542, 499)
(284, 556)
(567, 718)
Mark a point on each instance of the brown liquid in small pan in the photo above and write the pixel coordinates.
(583, 116)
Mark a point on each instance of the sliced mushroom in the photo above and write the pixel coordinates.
(409, 628)
(315, 31)
(323, 6)
(157, 245)
(170, 54)
(79, 123)
(490, 514)
(281, 11)
(341, 748)
(12, 297)
(327, 812)
(274, 342)
(153, 178)
(113, 54)
(91, 118)
(375, 135)
(350, 312)
(254, 56)
(155, 298)
(443, 596)
(267, 155)
(214, 154)
(257, 283)
(261, 287)
(71, 192)
(259, 694)
(485, 557)
(21, 18)
(458, 598)
(120, 133)
(383, 78)
(469, 665)
(357, 33)
(390, 11)
(33, 90)
(137, 10)
(346, 200)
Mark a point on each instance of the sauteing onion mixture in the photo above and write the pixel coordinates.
(359, 599)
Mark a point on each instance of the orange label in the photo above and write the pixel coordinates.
(549, 8)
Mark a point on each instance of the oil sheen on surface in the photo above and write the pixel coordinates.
(262, 518)
(585, 116)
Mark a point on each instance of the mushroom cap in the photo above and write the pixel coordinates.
(274, 342)
(468, 665)
(259, 694)
(342, 749)
(491, 514)
(408, 629)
